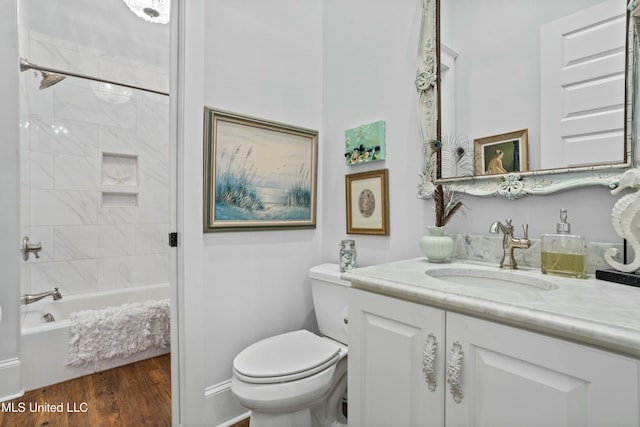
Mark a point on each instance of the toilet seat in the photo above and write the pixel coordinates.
(286, 357)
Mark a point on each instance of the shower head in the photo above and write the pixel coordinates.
(51, 76)
(48, 79)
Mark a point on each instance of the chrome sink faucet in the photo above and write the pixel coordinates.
(28, 299)
(509, 243)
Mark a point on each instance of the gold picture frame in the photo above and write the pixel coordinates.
(503, 153)
(258, 174)
(368, 202)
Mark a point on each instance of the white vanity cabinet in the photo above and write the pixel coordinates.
(514, 377)
(390, 346)
(507, 376)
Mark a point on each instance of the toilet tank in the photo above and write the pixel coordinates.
(330, 294)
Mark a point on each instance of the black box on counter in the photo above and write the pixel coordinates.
(631, 279)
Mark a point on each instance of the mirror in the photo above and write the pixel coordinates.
(501, 97)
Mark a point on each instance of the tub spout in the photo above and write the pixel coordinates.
(28, 299)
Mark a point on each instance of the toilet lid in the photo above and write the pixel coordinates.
(285, 357)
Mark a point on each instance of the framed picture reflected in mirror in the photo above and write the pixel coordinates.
(500, 154)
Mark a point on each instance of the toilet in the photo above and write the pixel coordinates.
(299, 379)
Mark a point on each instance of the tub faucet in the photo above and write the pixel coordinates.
(509, 243)
(28, 299)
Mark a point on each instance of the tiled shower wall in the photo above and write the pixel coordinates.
(95, 173)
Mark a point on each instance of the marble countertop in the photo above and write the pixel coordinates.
(589, 310)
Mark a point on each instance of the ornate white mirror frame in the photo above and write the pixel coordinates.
(512, 185)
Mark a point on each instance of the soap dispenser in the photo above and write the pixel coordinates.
(563, 253)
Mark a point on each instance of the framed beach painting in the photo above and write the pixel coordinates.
(365, 143)
(368, 202)
(258, 174)
(504, 153)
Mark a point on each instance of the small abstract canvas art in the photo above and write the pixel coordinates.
(365, 143)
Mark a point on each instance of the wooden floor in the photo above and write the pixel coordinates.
(243, 423)
(133, 395)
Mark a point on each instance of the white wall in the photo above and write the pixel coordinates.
(9, 208)
(589, 214)
(264, 61)
(261, 59)
(370, 60)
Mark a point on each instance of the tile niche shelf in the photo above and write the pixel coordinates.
(119, 180)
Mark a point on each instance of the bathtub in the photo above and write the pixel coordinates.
(44, 346)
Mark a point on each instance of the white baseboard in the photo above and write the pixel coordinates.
(223, 410)
(10, 382)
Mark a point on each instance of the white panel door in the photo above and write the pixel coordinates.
(583, 87)
(512, 377)
(389, 342)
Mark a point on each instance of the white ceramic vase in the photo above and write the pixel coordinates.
(435, 245)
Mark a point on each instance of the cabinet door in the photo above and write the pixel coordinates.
(512, 377)
(392, 345)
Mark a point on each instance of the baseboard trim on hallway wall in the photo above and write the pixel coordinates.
(10, 380)
(222, 409)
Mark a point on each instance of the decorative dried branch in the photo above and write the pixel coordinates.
(446, 203)
(438, 198)
(457, 205)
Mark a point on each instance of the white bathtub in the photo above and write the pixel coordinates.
(44, 347)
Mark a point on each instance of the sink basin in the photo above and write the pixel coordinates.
(491, 278)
